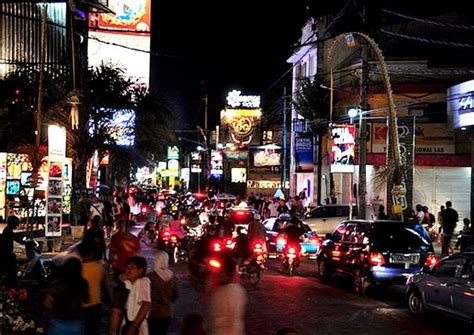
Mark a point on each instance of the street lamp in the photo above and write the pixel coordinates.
(361, 201)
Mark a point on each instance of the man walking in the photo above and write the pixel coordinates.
(7, 254)
(450, 218)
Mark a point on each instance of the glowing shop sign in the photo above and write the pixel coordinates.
(234, 99)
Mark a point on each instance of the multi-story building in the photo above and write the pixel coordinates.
(440, 157)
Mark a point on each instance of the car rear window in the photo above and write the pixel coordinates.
(398, 234)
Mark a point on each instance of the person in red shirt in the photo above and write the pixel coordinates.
(123, 245)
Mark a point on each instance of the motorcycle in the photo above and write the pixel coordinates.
(176, 251)
(35, 266)
(251, 268)
(290, 258)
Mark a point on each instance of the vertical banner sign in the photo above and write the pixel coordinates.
(54, 195)
(406, 137)
(3, 182)
(304, 153)
(67, 185)
(217, 167)
(343, 148)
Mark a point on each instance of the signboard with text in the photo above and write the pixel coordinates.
(304, 160)
(343, 148)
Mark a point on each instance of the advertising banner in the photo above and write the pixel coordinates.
(240, 126)
(67, 185)
(304, 159)
(267, 157)
(54, 193)
(238, 175)
(172, 152)
(343, 148)
(122, 38)
(217, 167)
(461, 105)
(430, 138)
(3, 182)
(434, 138)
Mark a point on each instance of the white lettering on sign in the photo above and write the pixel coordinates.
(342, 135)
(234, 99)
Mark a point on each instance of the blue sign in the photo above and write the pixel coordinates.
(304, 153)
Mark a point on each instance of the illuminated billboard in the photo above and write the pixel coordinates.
(461, 105)
(343, 148)
(121, 127)
(122, 38)
(241, 126)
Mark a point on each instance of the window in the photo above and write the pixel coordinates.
(339, 233)
(450, 268)
(349, 234)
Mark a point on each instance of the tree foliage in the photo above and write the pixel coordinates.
(312, 102)
(104, 90)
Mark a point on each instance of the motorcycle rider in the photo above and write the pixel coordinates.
(7, 256)
(293, 231)
(257, 232)
(242, 249)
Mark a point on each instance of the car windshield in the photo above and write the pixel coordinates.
(399, 235)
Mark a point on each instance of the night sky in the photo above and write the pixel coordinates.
(214, 47)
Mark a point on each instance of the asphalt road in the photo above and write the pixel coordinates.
(302, 301)
(313, 306)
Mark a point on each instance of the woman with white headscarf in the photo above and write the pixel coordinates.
(164, 291)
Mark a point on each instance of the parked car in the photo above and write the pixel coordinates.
(375, 251)
(276, 241)
(447, 287)
(326, 218)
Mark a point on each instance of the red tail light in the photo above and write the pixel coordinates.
(281, 240)
(217, 246)
(291, 253)
(166, 235)
(376, 258)
(257, 248)
(229, 244)
(144, 210)
(214, 263)
(431, 260)
(240, 213)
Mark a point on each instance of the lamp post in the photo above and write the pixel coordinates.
(361, 200)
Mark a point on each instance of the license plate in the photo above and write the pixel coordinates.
(405, 258)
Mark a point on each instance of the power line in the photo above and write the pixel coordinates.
(428, 21)
(131, 48)
(427, 40)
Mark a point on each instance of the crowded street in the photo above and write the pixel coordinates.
(304, 301)
(254, 167)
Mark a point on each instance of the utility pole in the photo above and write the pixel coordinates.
(283, 144)
(39, 110)
(205, 113)
(361, 210)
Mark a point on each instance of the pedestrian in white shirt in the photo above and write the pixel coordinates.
(139, 300)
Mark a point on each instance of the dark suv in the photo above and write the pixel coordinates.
(375, 251)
